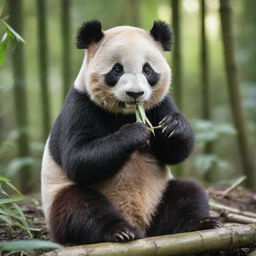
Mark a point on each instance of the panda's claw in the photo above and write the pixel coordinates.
(124, 236)
(164, 129)
(163, 120)
(170, 135)
(131, 235)
(118, 238)
(175, 125)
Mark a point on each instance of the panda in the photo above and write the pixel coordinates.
(105, 177)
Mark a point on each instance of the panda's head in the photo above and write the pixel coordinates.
(125, 65)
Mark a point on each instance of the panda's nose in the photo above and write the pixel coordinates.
(134, 95)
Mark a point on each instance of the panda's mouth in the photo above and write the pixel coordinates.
(127, 104)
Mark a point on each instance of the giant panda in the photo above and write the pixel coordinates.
(105, 177)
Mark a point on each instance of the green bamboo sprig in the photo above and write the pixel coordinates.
(141, 117)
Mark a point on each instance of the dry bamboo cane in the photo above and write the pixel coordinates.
(225, 238)
(220, 207)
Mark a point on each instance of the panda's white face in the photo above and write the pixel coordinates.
(126, 67)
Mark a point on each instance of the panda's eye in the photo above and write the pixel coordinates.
(118, 69)
(113, 76)
(151, 75)
(147, 70)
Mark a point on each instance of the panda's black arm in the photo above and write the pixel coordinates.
(174, 142)
(87, 163)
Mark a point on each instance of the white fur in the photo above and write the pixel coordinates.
(132, 82)
(53, 179)
(79, 83)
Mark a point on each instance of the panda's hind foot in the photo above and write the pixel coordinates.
(123, 233)
(209, 223)
(123, 236)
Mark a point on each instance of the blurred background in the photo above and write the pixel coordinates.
(214, 78)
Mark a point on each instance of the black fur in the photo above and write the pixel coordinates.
(177, 147)
(91, 144)
(88, 33)
(72, 222)
(151, 75)
(183, 206)
(162, 33)
(86, 139)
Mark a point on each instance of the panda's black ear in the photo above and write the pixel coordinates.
(88, 33)
(162, 33)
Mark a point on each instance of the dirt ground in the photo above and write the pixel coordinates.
(240, 198)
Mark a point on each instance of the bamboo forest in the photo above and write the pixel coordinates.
(213, 84)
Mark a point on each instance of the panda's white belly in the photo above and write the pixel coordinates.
(137, 189)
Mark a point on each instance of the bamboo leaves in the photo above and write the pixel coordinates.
(10, 212)
(9, 33)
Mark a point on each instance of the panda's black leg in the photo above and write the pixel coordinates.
(184, 207)
(81, 216)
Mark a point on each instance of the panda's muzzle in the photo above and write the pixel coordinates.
(134, 95)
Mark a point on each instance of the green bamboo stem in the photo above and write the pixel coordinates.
(177, 59)
(205, 85)
(246, 151)
(43, 67)
(225, 238)
(20, 92)
(141, 117)
(66, 44)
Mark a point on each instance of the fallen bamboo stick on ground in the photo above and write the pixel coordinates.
(232, 217)
(234, 186)
(220, 207)
(225, 238)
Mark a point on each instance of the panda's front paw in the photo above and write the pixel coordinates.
(175, 125)
(137, 134)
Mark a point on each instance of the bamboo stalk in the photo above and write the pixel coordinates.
(20, 92)
(134, 10)
(233, 186)
(220, 207)
(232, 217)
(204, 65)
(177, 76)
(177, 82)
(43, 67)
(225, 238)
(234, 93)
(205, 85)
(66, 45)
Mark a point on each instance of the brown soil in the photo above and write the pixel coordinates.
(240, 198)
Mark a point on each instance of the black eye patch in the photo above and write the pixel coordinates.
(150, 74)
(112, 77)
